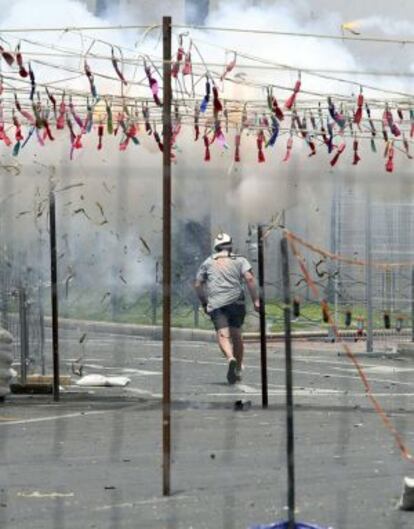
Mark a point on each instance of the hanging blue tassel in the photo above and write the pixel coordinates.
(275, 132)
(16, 148)
(206, 99)
(28, 136)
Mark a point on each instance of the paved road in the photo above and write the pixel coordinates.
(94, 460)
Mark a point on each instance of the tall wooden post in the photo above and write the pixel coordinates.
(166, 262)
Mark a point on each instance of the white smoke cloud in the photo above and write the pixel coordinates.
(232, 195)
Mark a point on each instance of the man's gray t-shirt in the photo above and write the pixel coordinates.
(223, 278)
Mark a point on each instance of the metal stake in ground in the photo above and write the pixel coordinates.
(289, 386)
(24, 336)
(166, 254)
(262, 314)
(54, 294)
(412, 304)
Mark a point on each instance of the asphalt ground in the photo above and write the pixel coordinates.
(94, 459)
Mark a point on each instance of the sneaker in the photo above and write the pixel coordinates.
(231, 372)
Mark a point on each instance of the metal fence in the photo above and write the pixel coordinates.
(22, 315)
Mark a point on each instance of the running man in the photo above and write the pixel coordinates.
(219, 286)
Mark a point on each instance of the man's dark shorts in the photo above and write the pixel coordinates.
(228, 316)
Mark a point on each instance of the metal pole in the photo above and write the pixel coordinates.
(54, 294)
(42, 330)
(368, 273)
(289, 386)
(262, 314)
(154, 296)
(412, 304)
(166, 262)
(196, 312)
(24, 343)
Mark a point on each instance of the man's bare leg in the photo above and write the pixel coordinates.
(225, 343)
(238, 346)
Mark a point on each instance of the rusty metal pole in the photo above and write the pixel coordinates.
(262, 315)
(54, 293)
(166, 261)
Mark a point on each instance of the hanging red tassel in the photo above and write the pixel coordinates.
(389, 166)
(180, 55)
(158, 141)
(3, 133)
(52, 100)
(358, 113)
(18, 135)
(407, 148)
(74, 114)
(196, 122)
(19, 59)
(90, 76)
(114, 61)
(100, 135)
(340, 150)
(3, 136)
(387, 119)
(188, 66)
(78, 142)
(290, 101)
(289, 146)
(356, 155)
(153, 83)
(260, 141)
(218, 107)
(229, 67)
(7, 56)
(277, 110)
(146, 114)
(207, 148)
(237, 141)
(60, 123)
(48, 131)
(23, 112)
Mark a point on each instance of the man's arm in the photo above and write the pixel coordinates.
(200, 291)
(251, 287)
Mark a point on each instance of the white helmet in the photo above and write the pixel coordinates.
(222, 239)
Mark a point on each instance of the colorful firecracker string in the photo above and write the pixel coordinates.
(295, 241)
(31, 108)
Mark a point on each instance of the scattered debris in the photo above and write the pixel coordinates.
(242, 405)
(105, 296)
(38, 494)
(145, 244)
(406, 502)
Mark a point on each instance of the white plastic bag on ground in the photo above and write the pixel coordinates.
(102, 380)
